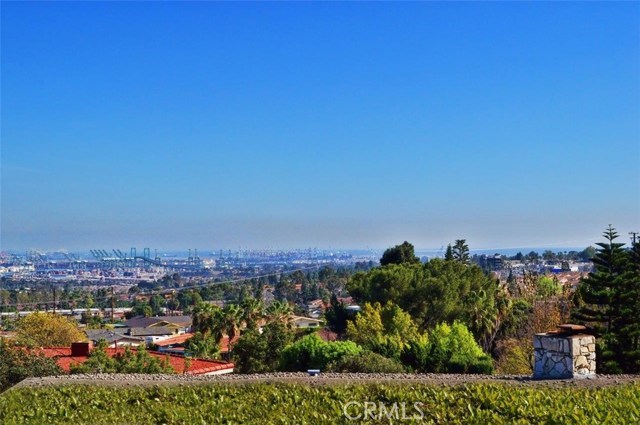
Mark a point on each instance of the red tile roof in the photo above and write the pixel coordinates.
(64, 359)
(178, 339)
(224, 344)
(327, 335)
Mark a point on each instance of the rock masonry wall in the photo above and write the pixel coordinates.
(563, 356)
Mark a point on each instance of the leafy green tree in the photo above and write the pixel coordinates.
(416, 352)
(157, 303)
(47, 330)
(383, 330)
(588, 253)
(285, 289)
(250, 352)
(98, 362)
(92, 322)
(399, 254)
(188, 300)
(141, 361)
(141, 309)
(337, 315)
(438, 291)
(383, 284)
(258, 352)
(453, 349)
(311, 352)
(548, 287)
(18, 363)
(533, 256)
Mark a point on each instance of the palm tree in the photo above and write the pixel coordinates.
(482, 312)
(208, 320)
(203, 347)
(280, 311)
(232, 320)
(252, 312)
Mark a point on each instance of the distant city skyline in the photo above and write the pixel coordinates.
(344, 125)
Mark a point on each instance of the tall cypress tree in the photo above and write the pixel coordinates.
(628, 325)
(461, 251)
(599, 299)
(449, 254)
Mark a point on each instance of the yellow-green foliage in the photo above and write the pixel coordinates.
(302, 404)
(385, 330)
(47, 330)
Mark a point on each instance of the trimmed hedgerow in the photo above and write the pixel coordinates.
(304, 404)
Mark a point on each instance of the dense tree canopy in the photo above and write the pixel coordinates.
(258, 352)
(435, 292)
(399, 254)
(47, 330)
(383, 330)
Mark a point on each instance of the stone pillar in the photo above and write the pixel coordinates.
(564, 354)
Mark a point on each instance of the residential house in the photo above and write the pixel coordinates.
(302, 322)
(174, 344)
(112, 338)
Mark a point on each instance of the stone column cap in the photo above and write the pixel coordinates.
(572, 328)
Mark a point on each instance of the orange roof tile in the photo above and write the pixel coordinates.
(178, 339)
(224, 344)
(64, 359)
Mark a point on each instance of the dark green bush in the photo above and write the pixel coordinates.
(311, 352)
(365, 362)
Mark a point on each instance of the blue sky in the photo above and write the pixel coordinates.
(176, 125)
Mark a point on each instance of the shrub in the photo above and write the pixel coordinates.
(311, 352)
(18, 363)
(128, 362)
(416, 353)
(453, 349)
(514, 356)
(365, 362)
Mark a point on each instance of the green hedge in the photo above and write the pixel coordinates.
(324, 404)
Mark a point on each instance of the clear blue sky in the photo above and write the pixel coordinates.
(176, 125)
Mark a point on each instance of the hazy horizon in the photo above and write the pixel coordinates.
(177, 125)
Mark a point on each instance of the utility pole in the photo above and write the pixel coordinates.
(54, 300)
(633, 236)
(113, 305)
